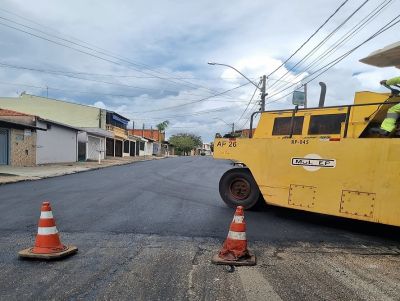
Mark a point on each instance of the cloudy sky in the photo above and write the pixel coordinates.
(147, 60)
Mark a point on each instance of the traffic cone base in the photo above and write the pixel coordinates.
(245, 261)
(28, 253)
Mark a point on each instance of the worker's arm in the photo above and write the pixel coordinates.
(393, 81)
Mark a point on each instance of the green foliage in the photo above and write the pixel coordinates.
(185, 142)
(162, 126)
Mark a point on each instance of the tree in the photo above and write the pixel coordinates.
(185, 142)
(162, 126)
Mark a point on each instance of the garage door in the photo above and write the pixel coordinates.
(94, 146)
(3, 146)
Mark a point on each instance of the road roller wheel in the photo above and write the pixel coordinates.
(237, 187)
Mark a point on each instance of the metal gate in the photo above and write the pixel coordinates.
(3, 146)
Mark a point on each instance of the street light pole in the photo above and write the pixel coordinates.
(262, 89)
(263, 94)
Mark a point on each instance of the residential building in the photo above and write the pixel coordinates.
(27, 140)
(153, 134)
(119, 145)
(155, 140)
(204, 150)
(91, 120)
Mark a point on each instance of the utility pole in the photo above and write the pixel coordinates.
(263, 94)
(47, 92)
(233, 128)
(143, 131)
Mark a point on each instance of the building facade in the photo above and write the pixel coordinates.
(90, 120)
(27, 140)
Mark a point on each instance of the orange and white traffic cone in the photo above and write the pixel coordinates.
(47, 243)
(234, 250)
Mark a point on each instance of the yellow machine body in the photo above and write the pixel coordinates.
(335, 170)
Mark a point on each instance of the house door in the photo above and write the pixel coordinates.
(118, 148)
(110, 147)
(137, 148)
(132, 149)
(3, 146)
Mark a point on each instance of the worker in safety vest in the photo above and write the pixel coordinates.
(389, 123)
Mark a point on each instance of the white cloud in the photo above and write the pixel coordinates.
(177, 39)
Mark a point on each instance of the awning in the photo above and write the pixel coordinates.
(98, 132)
(388, 56)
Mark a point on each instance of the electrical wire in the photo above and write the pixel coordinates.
(195, 101)
(309, 38)
(61, 73)
(328, 66)
(185, 83)
(343, 39)
(49, 88)
(319, 45)
(248, 104)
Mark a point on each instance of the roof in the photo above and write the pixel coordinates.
(98, 132)
(4, 112)
(60, 124)
(386, 57)
(19, 125)
(120, 116)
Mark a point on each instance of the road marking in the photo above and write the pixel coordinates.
(255, 286)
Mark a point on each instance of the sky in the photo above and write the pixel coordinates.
(147, 60)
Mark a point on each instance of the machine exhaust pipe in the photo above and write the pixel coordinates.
(322, 95)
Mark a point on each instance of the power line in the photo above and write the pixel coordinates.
(302, 45)
(100, 52)
(331, 64)
(99, 93)
(349, 34)
(68, 74)
(346, 37)
(323, 41)
(192, 102)
(248, 104)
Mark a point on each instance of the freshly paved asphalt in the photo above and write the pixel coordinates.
(146, 231)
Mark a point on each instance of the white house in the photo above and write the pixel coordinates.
(57, 144)
(92, 143)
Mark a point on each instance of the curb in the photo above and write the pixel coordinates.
(79, 171)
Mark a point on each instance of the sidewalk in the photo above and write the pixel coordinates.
(10, 174)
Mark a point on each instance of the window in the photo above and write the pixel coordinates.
(326, 124)
(126, 146)
(142, 146)
(282, 125)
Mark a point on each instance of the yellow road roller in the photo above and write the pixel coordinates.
(324, 159)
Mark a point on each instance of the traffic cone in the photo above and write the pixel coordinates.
(47, 243)
(234, 250)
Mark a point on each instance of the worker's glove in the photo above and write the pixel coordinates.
(383, 82)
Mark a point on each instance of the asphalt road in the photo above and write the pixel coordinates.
(146, 231)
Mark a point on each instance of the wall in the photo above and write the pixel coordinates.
(56, 145)
(22, 148)
(61, 111)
